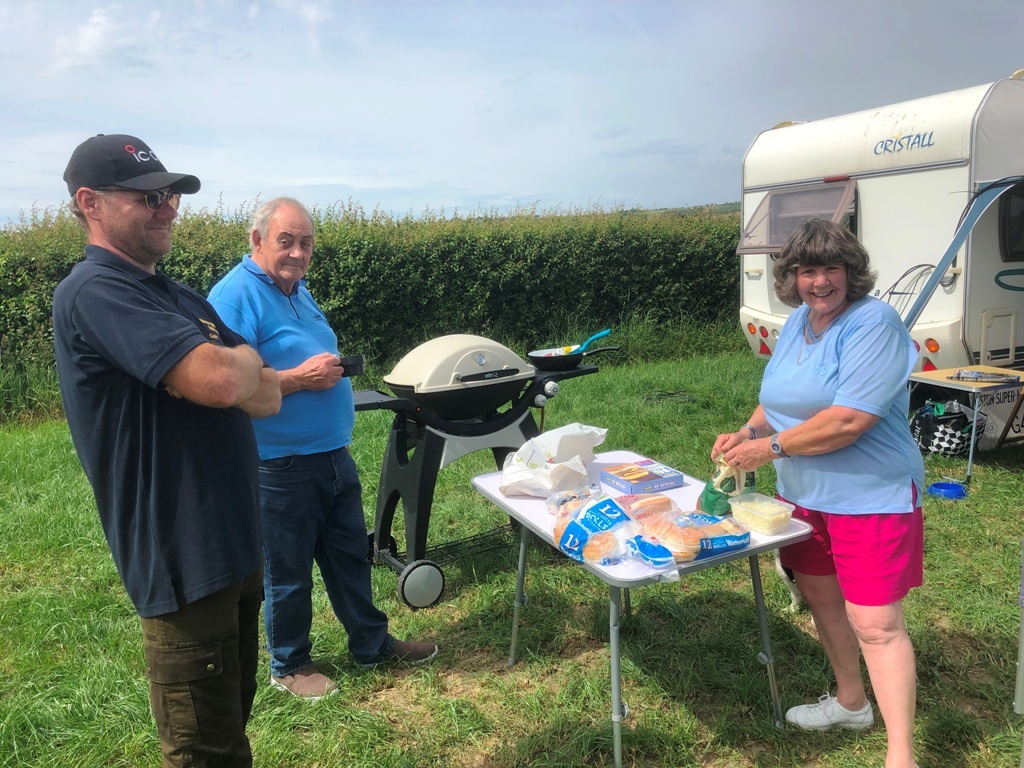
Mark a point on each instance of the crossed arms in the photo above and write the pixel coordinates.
(226, 377)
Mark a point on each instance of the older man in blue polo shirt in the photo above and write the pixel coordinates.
(159, 395)
(310, 495)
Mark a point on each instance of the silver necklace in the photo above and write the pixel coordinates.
(811, 338)
(806, 350)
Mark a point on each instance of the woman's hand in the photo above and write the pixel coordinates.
(756, 425)
(728, 441)
(748, 455)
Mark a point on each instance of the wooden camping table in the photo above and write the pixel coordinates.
(532, 513)
(942, 379)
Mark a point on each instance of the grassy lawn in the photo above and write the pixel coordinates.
(72, 691)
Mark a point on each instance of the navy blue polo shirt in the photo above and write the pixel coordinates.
(175, 482)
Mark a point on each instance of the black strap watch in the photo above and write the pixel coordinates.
(777, 448)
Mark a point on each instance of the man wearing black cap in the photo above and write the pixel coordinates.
(159, 393)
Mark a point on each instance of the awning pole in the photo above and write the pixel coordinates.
(977, 206)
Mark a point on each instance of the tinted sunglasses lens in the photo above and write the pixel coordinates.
(156, 199)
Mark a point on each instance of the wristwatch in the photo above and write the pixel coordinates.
(777, 448)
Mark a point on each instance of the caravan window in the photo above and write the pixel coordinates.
(1011, 224)
(783, 210)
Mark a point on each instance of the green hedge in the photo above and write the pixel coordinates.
(387, 284)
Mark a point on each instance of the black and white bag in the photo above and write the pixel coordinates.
(945, 428)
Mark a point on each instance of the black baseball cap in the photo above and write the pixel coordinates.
(120, 160)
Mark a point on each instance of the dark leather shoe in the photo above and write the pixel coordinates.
(405, 652)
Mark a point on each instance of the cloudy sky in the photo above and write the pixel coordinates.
(464, 105)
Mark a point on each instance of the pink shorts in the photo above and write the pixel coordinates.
(878, 559)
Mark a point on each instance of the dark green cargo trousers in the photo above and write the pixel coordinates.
(201, 665)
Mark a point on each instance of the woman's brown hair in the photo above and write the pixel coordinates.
(820, 243)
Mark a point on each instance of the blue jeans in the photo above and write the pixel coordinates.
(311, 509)
(201, 664)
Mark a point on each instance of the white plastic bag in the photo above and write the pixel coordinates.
(554, 461)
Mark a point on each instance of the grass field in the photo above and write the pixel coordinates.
(72, 691)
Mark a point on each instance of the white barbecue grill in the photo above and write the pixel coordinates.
(453, 395)
(460, 376)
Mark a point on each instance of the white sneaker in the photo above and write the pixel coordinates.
(829, 713)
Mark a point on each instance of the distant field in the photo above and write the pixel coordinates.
(712, 208)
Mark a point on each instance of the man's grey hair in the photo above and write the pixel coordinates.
(76, 209)
(265, 211)
(79, 216)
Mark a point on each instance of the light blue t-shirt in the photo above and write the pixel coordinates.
(863, 362)
(287, 330)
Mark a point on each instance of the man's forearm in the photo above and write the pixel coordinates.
(266, 400)
(220, 377)
(247, 366)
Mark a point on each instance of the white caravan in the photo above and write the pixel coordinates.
(900, 177)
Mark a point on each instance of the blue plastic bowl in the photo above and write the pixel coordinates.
(948, 490)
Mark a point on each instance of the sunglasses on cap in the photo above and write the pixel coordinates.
(154, 200)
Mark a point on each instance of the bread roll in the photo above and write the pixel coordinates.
(561, 523)
(649, 503)
(682, 541)
(601, 547)
(712, 529)
(732, 526)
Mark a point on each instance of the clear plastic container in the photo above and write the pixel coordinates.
(761, 513)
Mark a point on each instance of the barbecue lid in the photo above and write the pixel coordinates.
(457, 361)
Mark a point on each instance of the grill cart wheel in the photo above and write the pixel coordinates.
(420, 584)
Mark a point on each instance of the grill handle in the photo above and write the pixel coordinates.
(487, 375)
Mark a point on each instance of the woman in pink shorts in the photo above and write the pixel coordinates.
(833, 417)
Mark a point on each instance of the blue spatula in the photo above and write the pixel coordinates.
(599, 335)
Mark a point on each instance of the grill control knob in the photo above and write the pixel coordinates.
(540, 401)
(551, 388)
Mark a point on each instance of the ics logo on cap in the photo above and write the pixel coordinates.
(140, 156)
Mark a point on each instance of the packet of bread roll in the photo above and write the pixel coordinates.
(693, 536)
(598, 532)
(718, 535)
(665, 527)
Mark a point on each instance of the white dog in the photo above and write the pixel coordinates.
(796, 600)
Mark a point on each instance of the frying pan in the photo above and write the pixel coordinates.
(555, 359)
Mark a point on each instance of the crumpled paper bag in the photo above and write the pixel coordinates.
(552, 462)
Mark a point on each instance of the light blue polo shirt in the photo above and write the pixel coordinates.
(863, 362)
(287, 330)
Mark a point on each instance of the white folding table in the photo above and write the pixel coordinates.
(532, 514)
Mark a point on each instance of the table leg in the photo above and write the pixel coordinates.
(1018, 696)
(974, 434)
(613, 643)
(520, 600)
(765, 657)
